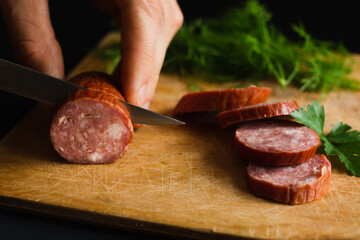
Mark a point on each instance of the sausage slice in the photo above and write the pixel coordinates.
(293, 184)
(221, 100)
(92, 126)
(275, 142)
(257, 111)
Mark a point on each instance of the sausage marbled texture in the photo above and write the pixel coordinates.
(275, 142)
(92, 126)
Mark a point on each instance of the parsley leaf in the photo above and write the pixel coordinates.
(341, 141)
(314, 117)
(340, 134)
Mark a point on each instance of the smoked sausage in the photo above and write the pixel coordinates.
(293, 184)
(221, 100)
(257, 111)
(275, 142)
(92, 126)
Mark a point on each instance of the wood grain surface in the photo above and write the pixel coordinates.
(176, 180)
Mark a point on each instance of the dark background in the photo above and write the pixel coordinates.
(79, 26)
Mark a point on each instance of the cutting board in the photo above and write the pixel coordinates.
(180, 181)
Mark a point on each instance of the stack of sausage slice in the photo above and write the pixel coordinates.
(283, 164)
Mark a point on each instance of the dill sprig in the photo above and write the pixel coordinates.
(242, 44)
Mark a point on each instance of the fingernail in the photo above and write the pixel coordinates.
(141, 97)
(146, 105)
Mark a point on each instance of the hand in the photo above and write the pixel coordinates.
(147, 28)
(32, 35)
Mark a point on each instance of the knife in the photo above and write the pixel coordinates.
(31, 84)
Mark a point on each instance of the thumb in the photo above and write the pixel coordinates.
(32, 35)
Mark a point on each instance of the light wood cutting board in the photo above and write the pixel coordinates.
(175, 180)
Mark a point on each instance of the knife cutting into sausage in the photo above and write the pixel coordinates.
(31, 84)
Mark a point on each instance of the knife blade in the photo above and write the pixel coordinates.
(31, 84)
(144, 116)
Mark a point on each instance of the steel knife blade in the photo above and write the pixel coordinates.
(144, 116)
(31, 84)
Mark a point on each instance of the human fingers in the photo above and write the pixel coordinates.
(146, 30)
(167, 30)
(32, 35)
(138, 21)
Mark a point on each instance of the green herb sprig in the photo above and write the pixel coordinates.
(242, 44)
(341, 141)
